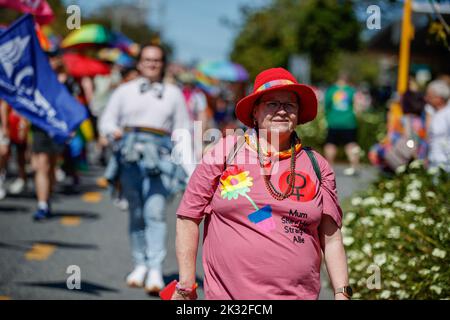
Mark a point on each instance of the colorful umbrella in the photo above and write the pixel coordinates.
(121, 41)
(79, 66)
(224, 70)
(90, 34)
(116, 56)
(207, 84)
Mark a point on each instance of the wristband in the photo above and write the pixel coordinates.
(185, 292)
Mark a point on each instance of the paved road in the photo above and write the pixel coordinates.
(89, 232)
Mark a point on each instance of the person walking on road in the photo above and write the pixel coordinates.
(342, 125)
(141, 116)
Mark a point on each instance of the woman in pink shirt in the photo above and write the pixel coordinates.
(270, 206)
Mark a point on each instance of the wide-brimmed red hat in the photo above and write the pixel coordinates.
(272, 80)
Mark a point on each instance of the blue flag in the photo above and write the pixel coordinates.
(31, 87)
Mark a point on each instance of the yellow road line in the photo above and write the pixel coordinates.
(92, 197)
(70, 221)
(5, 298)
(40, 252)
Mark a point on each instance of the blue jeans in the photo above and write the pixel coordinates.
(146, 197)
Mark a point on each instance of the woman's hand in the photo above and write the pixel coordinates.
(340, 296)
(177, 296)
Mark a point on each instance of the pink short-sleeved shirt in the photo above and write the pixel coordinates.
(256, 247)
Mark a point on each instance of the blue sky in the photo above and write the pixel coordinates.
(193, 27)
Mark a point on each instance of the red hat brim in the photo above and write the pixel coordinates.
(308, 103)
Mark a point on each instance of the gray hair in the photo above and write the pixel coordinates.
(440, 88)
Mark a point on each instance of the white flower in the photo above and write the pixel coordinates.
(398, 204)
(388, 197)
(414, 195)
(424, 272)
(385, 294)
(394, 232)
(439, 253)
(402, 294)
(346, 232)
(412, 226)
(380, 259)
(430, 194)
(412, 263)
(367, 249)
(428, 221)
(389, 185)
(356, 295)
(348, 241)
(416, 164)
(414, 185)
(356, 201)
(401, 169)
(367, 221)
(436, 289)
(433, 170)
(388, 213)
(435, 268)
(421, 209)
(379, 245)
(403, 277)
(371, 201)
(395, 284)
(350, 216)
(410, 207)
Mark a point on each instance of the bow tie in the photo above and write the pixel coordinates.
(156, 88)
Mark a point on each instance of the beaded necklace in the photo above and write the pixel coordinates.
(277, 195)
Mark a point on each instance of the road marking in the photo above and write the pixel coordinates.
(102, 182)
(40, 251)
(92, 197)
(5, 298)
(70, 221)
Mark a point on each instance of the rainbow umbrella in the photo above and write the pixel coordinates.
(89, 34)
(116, 56)
(224, 70)
(79, 66)
(207, 84)
(121, 41)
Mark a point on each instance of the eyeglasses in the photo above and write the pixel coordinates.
(147, 60)
(275, 105)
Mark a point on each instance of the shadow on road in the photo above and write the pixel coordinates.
(13, 209)
(86, 215)
(27, 245)
(86, 287)
(66, 245)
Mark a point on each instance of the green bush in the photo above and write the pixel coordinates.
(371, 129)
(402, 226)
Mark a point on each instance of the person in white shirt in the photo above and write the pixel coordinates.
(438, 95)
(141, 116)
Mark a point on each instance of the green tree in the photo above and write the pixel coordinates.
(320, 28)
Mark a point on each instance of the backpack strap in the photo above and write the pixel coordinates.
(241, 140)
(233, 152)
(314, 162)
